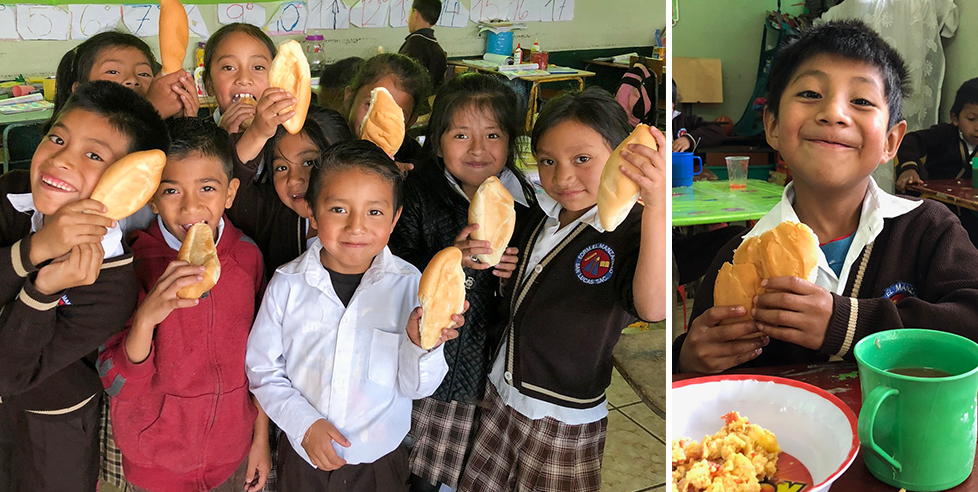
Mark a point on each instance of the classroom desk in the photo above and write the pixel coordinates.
(28, 118)
(713, 202)
(842, 380)
(660, 64)
(640, 358)
(534, 80)
(957, 192)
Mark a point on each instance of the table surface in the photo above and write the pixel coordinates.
(712, 202)
(26, 118)
(842, 380)
(641, 359)
(954, 191)
(480, 64)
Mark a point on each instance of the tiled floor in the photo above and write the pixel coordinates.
(635, 449)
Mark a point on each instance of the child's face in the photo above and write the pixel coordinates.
(294, 157)
(193, 189)
(71, 158)
(832, 124)
(473, 147)
(240, 67)
(570, 157)
(361, 102)
(354, 219)
(967, 122)
(125, 66)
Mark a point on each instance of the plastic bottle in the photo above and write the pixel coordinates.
(314, 53)
(199, 55)
(536, 46)
(518, 55)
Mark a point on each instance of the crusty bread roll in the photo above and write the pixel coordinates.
(617, 193)
(442, 294)
(174, 35)
(198, 249)
(250, 101)
(290, 71)
(493, 208)
(129, 183)
(790, 249)
(384, 121)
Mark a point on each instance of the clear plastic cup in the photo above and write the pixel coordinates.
(737, 171)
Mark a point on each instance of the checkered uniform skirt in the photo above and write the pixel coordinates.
(443, 433)
(515, 453)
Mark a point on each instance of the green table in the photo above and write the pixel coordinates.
(26, 118)
(712, 202)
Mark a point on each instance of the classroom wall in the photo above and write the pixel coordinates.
(596, 24)
(731, 31)
(959, 53)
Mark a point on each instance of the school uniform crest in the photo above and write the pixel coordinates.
(595, 264)
(900, 291)
(64, 301)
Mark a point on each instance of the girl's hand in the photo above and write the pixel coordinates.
(259, 464)
(649, 170)
(236, 114)
(162, 299)
(163, 94)
(507, 263)
(186, 90)
(267, 118)
(472, 247)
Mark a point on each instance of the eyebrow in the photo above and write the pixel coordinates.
(121, 61)
(819, 74)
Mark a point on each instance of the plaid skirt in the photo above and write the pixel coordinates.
(443, 436)
(515, 453)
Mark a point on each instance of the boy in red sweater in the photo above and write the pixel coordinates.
(181, 410)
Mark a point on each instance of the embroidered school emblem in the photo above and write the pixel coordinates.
(682, 132)
(595, 264)
(64, 301)
(900, 291)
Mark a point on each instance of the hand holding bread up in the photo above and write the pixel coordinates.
(198, 249)
(617, 193)
(493, 208)
(174, 35)
(290, 71)
(384, 122)
(442, 295)
(129, 183)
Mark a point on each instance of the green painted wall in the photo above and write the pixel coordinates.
(959, 52)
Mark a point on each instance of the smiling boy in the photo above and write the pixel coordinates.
(834, 113)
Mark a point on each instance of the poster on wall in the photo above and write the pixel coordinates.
(524, 10)
(196, 21)
(328, 14)
(557, 11)
(8, 22)
(400, 10)
(370, 13)
(89, 20)
(142, 20)
(289, 18)
(249, 13)
(43, 22)
(453, 14)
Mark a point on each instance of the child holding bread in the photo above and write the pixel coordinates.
(884, 262)
(575, 288)
(334, 356)
(471, 136)
(67, 286)
(182, 414)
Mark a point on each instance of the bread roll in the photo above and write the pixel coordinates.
(174, 35)
(442, 294)
(493, 208)
(740, 283)
(250, 101)
(617, 193)
(129, 183)
(198, 249)
(384, 122)
(290, 71)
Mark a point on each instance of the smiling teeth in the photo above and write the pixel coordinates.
(58, 186)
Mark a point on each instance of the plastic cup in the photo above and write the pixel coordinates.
(737, 171)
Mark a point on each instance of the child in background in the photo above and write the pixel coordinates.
(125, 59)
(834, 113)
(471, 136)
(329, 357)
(59, 299)
(689, 131)
(421, 44)
(271, 208)
(407, 82)
(181, 411)
(575, 288)
(333, 82)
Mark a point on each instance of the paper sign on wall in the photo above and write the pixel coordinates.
(250, 13)
(524, 10)
(453, 14)
(400, 10)
(328, 14)
(89, 20)
(43, 22)
(196, 21)
(142, 20)
(8, 22)
(490, 10)
(370, 13)
(289, 18)
(557, 11)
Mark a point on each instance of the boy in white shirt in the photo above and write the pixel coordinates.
(329, 357)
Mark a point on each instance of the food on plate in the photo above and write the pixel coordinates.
(290, 71)
(198, 249)
(493, 208)
(174, 35)
(735, 459)
(617, 193)
(129, 183)
(384, 122)
(442, 294)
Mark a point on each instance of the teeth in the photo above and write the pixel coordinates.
(56, 185)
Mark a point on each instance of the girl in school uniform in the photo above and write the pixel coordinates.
(471, 136)
(575, 288)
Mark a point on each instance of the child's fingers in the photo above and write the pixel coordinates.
(277, 106)
(273, 91)
(713, 316)
(465, 307)
(338, 436)
(793, 285)
(466, 232)
(93, 207)
(333, 460)
(660, 138)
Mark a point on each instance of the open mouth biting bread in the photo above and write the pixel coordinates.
(290, 71)
(493, 208)
(174, 35)
(617, 193)
(250, 101)
(129, 183)
(442, 294)
(198, 249)
(384, 121)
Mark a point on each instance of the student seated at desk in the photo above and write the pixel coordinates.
(690, 131)
(421, 44)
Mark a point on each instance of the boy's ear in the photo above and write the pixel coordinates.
(397, 215)
(232, 192)
(152, 204)
(893, 138)
(771, 128)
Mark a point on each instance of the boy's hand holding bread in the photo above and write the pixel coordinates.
(74, 224)
(80, 267)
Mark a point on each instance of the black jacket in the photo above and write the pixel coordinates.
(935, 153)
(699, 131)
(423, 47)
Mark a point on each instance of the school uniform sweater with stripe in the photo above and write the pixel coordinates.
(938, 152)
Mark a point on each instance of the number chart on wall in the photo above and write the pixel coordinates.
(69, 19)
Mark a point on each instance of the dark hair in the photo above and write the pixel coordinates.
(76, 65)
(354, 154)
(409, 77)
(323, 126)
(967, 94)
(215, 41)
(334, 79)
(480, 92)
(849, 39)
(126, 111)
(430, 10)
(189, 136)
(593, 108)
(675, 93)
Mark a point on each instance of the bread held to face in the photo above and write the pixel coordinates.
(494, 209)
(198, 249)
(441, 293)
(174, 35)
(384, 122)
(129, 183)
(249, 101)
(617, 193)
(290, 71)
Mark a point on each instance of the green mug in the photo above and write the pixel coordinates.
(920, 396)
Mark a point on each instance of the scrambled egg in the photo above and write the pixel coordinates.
(735, 459)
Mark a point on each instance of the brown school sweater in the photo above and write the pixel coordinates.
(48, 343)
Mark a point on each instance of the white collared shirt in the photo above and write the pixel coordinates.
(310, 358)
(528, 406)
(877, 205)
(175, 243)
(506, 178)
(111, 241)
